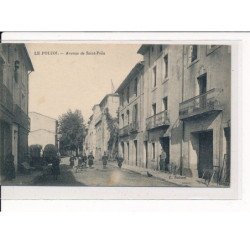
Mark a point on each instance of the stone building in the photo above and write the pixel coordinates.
(98, 133)
(131, 115)
(15, 67)
(162, 95)
(205, 110)
(184, 111)
(43, 130)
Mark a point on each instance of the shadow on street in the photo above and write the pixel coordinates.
(66, 178)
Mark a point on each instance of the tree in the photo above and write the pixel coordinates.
(72, 130)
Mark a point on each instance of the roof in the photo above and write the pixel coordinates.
(143, 49)
(138, 67)
(106, 96)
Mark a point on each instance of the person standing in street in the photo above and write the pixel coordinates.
(119, 161)
(104, 160)
(71, 161)
(90, 159)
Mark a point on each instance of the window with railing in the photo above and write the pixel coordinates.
(154, 76)
(166, 65)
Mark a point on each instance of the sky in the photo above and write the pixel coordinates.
(76, 76)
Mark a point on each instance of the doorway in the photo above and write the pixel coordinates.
(205, 159)
(146, 153)
(165, 147)
(135, 146)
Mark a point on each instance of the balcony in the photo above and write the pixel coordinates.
(21, 117)
(159, 120)
(200, 105)
(124, 131)
(6, 99)
(133, 127)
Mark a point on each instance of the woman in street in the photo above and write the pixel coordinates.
(104, 160)
(71, 161)
(90, 159)
(119, 161)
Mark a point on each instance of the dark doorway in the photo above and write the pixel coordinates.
(135, 144)
(146, 153)
(202, 81)
(128, 152)
(165, 146)
(205, 160)
(227, 157)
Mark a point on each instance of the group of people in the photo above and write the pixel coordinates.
(84, 160)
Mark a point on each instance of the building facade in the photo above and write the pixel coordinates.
(43, 130)
(131, 114)
(205, 110)
(98, 132)
(15, 67)
(183, 108)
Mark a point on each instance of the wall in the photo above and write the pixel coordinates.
(43, 129)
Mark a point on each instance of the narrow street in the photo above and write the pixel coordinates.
(97, 176)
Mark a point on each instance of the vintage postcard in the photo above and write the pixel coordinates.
(154, 115)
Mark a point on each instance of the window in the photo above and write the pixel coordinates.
(135, 113)
(23, 101)
(122, 120)
(127, 95)
(160, 48)
(135, 86)
(154, 108)
(166, 65)
(153, 150)
(128, 117)
(194, 52)
(16, 70)
(165, 103)
(154, 76)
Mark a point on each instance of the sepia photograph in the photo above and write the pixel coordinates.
(115, 115)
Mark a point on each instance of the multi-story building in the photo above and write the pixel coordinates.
(162, 94)
(15, 67)
(184, 110)
(43, 130)
(205, 110)
(131, 115)
(98, 133)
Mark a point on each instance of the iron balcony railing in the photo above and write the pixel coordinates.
(21, 117)
(200, 104)
(159, 120)
(124, 131)
(134, 127)
(6, 98)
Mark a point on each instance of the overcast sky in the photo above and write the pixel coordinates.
(61, 82)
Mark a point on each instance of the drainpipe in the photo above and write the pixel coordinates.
(183, 124)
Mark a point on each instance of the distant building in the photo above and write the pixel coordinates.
(131, 117)
(15, 67)
(43, 130)
(98, 133)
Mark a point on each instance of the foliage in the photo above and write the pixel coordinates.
(114, 133)
(72, 130)
(50, 151)
(35, 150)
